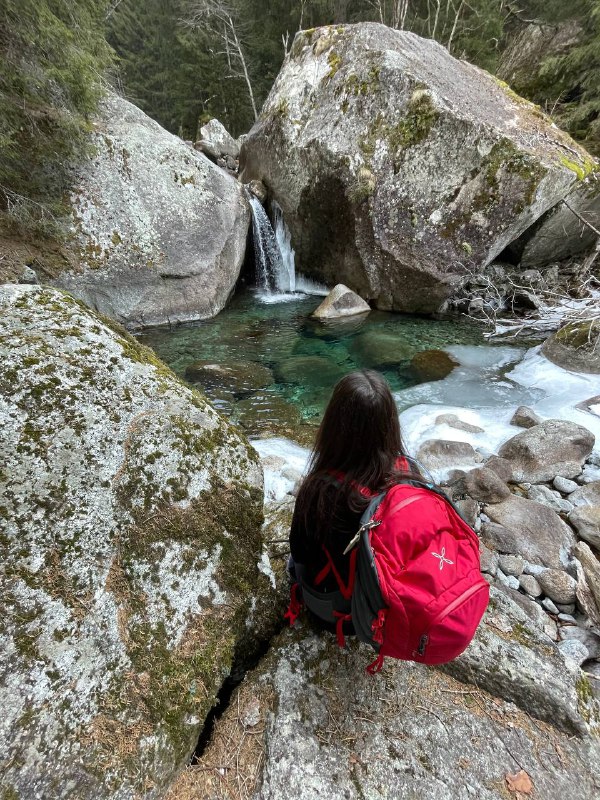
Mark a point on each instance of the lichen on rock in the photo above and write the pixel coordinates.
(130, 540)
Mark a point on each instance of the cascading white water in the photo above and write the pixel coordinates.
(275, 267)
(267, 255)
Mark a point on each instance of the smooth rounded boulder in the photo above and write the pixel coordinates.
(159, 230)
(400, 169)
(341, 302)
(553, 447)
(130, 539)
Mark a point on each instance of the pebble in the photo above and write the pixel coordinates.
(549, 606)
(568, 618)
(533, 569)
(507, 580)
(564, 485)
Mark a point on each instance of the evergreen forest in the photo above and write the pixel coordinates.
(186, 61)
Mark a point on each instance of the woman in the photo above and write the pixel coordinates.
(358, 454)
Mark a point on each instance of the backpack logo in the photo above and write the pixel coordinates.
(442, 558)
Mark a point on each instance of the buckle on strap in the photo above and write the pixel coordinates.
(356, 538)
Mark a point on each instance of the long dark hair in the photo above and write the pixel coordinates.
(357, 445)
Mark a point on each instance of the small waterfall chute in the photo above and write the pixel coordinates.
(274, 257)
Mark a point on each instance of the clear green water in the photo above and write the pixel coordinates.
(304, 357)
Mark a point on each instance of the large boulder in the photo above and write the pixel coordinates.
(399, 168)
(160, 231)
(216, 141)
(341, 302)
(130, 541)
(554, 447)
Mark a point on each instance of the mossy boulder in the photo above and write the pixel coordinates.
(432, 365)
(399, 168)
(130, 541)
(159, 230)
(575, 347)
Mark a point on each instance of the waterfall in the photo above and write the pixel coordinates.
(266, 252)
(275, 267)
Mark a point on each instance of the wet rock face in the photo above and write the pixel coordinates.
(129, 549)
(160, 230)
(350, 143)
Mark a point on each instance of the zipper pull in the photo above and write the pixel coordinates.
(355, 539)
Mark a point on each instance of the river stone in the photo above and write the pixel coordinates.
(588, 495)
(586, 521)
(588, 638)
(565, 486)
(575, 347)
(507, 580)
(538, 534)
(558, 585)
(440, 454)
(259, 190)
(550, 606)
(350, 141)
(434, 365)
(454, 421)
(575, 651)
(376, 348)
(484, 485)
(216, 141)
(499, 538)
(488, 559)
(554, 447)
(591, 569)
(547, 497)
(235, 377)
(525, 417)
(530, 585)
(129, 552)
(501, 467)
(511, 565)
(160, 231)
(417, 733)
(341, 302)
(266, 412)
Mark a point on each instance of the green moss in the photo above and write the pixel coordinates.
(335, 62)
(579, 334)
(582, 168)
(10, 793)
(283, 107)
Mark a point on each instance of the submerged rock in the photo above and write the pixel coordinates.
(236, 378)
(400, 169)
(341, 302)
(432, 365)
(129, 549)
(160, 230)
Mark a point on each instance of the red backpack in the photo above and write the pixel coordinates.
(415, 589)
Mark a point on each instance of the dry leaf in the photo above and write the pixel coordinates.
(520, 782)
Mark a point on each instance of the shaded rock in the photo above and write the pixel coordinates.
(575, 347)
(564, 485)
(586, 521)
(236, 378)
(538, 534)
(558, 585)
(28, 276)
(439, 454)
(550, 606)
(468, 509)
(502, 467)
(160, 231)
(216, 141)
(129, 551)
(488, 559)
(588, 495)
(341, 302)
(534, 612)
(397, 227)
(530, 585)
(318, 370)
(434, 365)
(560, 233)
(378, 348)
(591, 569)
(511, 565)
(525, 417)
(552, 448)
(484, 485)
(499, 538)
